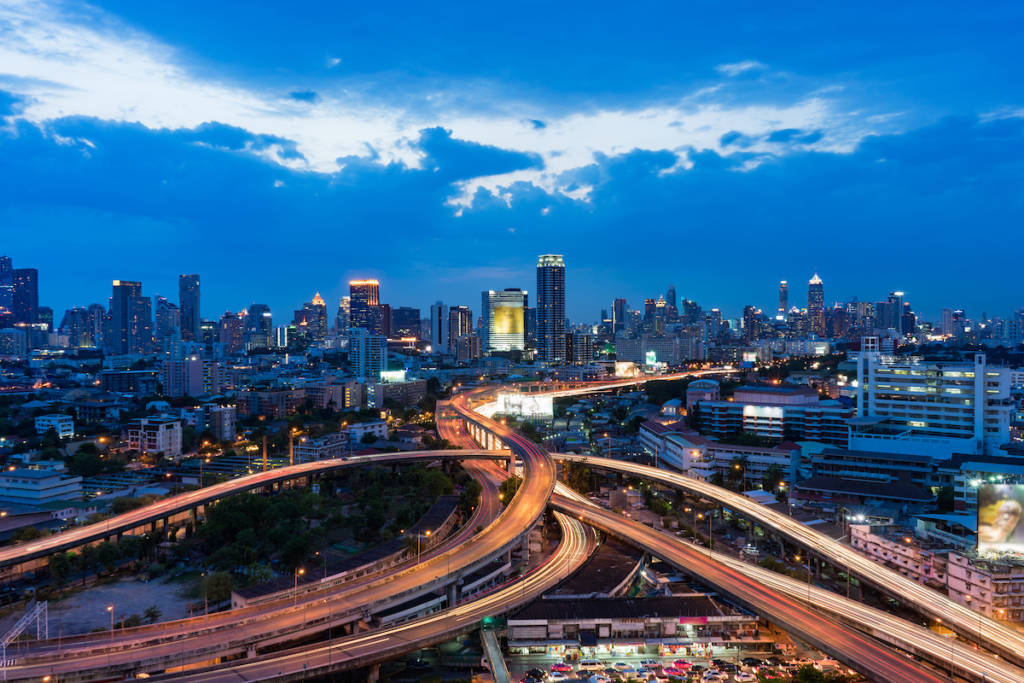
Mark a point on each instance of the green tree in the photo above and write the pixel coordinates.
(107, 555)
(508, 488)
(152, 614)
(61, 566)
(774, 476)
(218, 586)
(808, 674)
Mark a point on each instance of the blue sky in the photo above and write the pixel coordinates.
(720, 147)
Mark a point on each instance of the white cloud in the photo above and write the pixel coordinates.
(737, 68)
(101, 68)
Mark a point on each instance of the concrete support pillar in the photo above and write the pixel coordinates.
(166, 528)
(194, 516)
(453, 594)
(373, 674)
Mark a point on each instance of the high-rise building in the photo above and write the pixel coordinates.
(503, 325)
(439, 327)
(384, 316)
(6, 284)
(25, 295)
(231, 332)
(619, 315)
(343, 320)
(670, 297)
(130, 319)
(783, 299)
(947, 321)
(312, 318)
(259, 328)
(816, 305)
(188, 302)
(98, 319)
(77, 325)
(168, 319)
(405, 323)
(460, 323)
(367, 353)
(551, 309)
(364, 305)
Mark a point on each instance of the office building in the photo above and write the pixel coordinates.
(13, 342)
(33, 488)
(783, 299)
(405, 323)
(192, 376)
(188, 302)
(79, 326)
(551, 309)
(503, 324)
(311, 319)
(6, 285)
(367, 353)
(231, 332)
(467, 347)
(259, 328)
(155, 435)
(343, 321)
(168, 319)
(364, 305)
(25, 294)
(580, 348)
(908, 404)
(439, 328)
(816, 305)
(618, 315)
(130, 320)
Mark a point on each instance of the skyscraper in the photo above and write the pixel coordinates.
(168, 318)
(313, 315)
(405, 322)
(188, 302)
(670, 296)
(367, 353)
(783, 298)
(618, 315)
(6, 284)
(551, 308)
(259, 328)
(130, 320)
(460, 323)
(231, 332)
(504, 328)
(439, 327)
(364, 305)
(816, 305)
(25, 295)
(343, 321)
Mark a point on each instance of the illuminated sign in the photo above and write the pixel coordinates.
(626, 368)
(389, 376)
(508, 319)
(762, 412)
(651, 358)
(530, 406)
(1000, 508)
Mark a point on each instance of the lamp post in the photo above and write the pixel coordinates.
(206, 604)
(324, 558)
(743, 478)
(418, 537)
(299, 571)
(110, 610)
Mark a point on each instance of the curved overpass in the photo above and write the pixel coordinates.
(1004, 641)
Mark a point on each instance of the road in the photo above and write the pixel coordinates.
(1006, 642)
(863, 653)
(969, 662)
(578, 542)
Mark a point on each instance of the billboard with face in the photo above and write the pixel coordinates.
(1000, 508)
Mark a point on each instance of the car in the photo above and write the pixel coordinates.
(769, 673)
(557, 676)
(674, 671)
(719, 662)
(744, 677)
(682, 664)
(650, 663)
(610, 671)
(529, 679)
(697, 668)
(752, 661)
(712, 676)
(536, 673)
(561, 667)
(622, 666)
(728, 667)
(600, 678)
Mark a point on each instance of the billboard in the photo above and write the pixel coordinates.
(508, 319)
(530, 406)
(1000, 508)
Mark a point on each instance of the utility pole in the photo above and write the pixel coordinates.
(264, 452)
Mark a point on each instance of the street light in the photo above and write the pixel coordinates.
(295, 592)
(743, 480)
(110, 609)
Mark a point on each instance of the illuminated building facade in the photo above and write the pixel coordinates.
(504, 326)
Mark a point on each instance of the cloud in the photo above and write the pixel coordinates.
(103, 69)
(737, 68)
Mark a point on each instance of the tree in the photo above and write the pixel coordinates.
(107, 555)
(152, 614)
(774, 476)
(86, 560)
(470, 495)
(808, 674)
(218, 586)
(61, 566)
(86, 462)
(737, 470)
(508, 488)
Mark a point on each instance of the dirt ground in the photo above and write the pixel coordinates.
(87, 610)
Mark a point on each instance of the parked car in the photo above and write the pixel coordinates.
(561, 667)
(752, 661)
(744, 677)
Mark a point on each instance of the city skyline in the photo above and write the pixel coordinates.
(779, 151)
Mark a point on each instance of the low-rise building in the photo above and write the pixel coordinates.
(358, 431)
(159, 434)
(35, 487)
(63, 425)
(326, 447)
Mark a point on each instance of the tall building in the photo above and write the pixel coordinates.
(77, 325)
(460, 323)
(503, 328)
(405, 323)
(364, 305)
(367, 353)
(783, 299)
(312, 318)
(188, 302)
(343, 321)
(439, 327)
(619, 315)
(168, 319)
(6, 284)
(670, 297)
(816, 305)
(551, 309)
(130, 319)
(25, 294)
(231, 332)
(259, 328)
